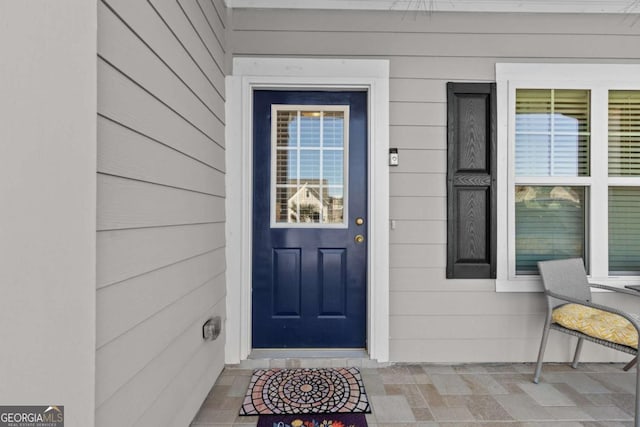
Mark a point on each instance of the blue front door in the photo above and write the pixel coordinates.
(309, 219)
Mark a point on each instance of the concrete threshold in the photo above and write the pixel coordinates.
(309, 358)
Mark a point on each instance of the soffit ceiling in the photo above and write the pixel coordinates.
(522, 6)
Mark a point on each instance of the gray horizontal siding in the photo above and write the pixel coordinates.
(126, 304)
(481, 349)
(399, 21)
(161, 208)
(132, 400)
(123, 357)
(418, 137)
(419, 232)
(417, 184)
(434, 319)
(466, 327)
(418, 208)
(433, 279)
(441, 45)
(125, 254)
(123, 101)
(132, 155)
(469, 303)
(125, 203)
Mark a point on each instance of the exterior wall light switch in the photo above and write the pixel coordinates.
(394, 158)
(212, 328)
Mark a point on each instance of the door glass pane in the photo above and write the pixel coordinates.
(309, 167)
(286, 198)
(624, 230)
(552, 132)
(335, 207)
(624, 133)
(550, 224)
(333, 167)
(309, 124)
(287, 131)
(333, 128)
(310, 147)
(286, 165)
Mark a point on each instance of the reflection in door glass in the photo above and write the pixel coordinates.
(308, 145)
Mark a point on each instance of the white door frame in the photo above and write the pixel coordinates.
(303, 74)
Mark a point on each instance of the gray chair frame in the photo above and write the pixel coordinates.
(565, 281)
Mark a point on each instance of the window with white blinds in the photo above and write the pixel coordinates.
(624, 230)
(552, 132)
(550, 224)
(624, 200)
(552, 138)
(569, 163)
(624, 133)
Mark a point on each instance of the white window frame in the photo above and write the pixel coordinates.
(599, 79)
(275, 108)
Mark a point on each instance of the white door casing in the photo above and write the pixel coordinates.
(303, 74)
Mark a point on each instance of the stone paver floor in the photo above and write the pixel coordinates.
(501, 395)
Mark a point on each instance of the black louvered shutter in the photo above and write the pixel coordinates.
(471, 180)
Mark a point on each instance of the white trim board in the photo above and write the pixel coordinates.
(303, 74)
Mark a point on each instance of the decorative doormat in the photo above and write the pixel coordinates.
(313, 420)
(305, 391)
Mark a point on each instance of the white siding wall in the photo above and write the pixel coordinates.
(161, 198)
(434, 319)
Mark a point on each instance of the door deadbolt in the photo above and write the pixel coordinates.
(359, 238)
(359, 221)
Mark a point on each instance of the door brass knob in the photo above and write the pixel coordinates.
(359, 238)
(359, 221)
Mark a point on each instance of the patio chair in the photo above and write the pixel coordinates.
(571, 310)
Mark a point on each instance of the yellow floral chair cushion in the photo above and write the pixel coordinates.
(596, 323)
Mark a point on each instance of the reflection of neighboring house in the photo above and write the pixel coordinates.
(336, 209)
(306, 205)
(526, 193)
